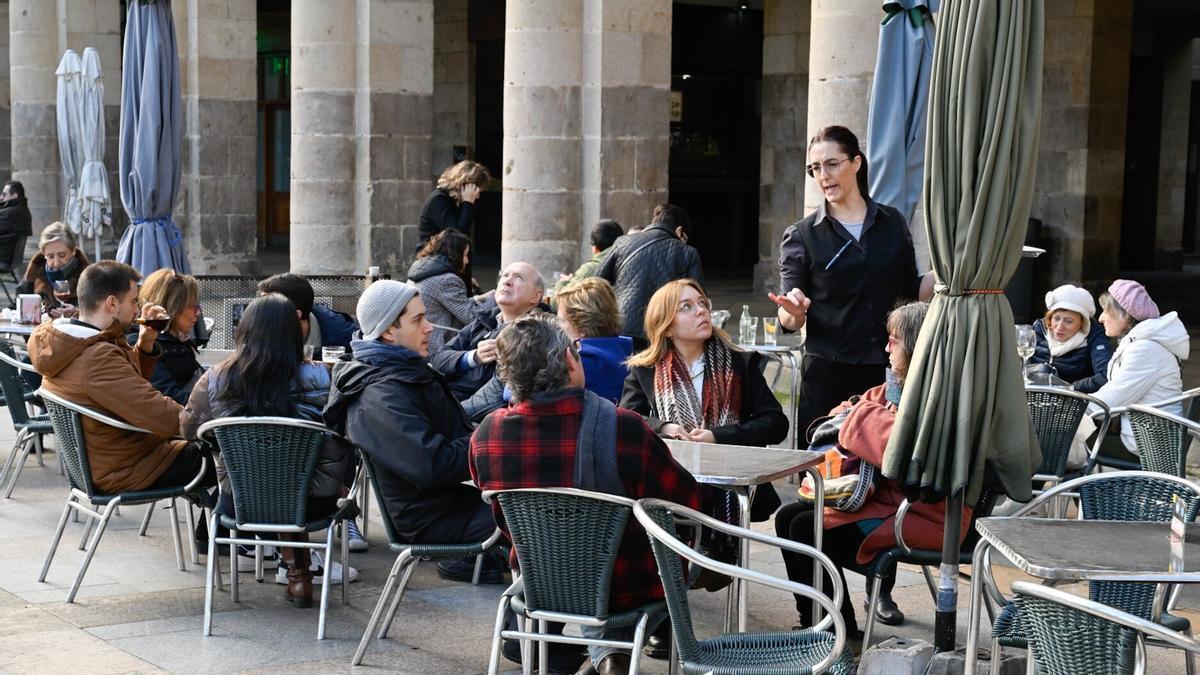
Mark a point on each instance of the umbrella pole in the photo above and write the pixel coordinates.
(947, 597)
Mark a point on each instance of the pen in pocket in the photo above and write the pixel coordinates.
(837, 255)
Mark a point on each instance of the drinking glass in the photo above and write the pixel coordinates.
(770, 330)
(751, 334)
(1026, 342)
(331, 355)
(62, 291)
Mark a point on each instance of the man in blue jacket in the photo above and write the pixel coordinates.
(331, 328)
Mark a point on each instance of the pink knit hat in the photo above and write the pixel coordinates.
(1134, 299)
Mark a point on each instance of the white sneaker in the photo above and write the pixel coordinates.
(318, 571)
(246, 558)
(357, 542)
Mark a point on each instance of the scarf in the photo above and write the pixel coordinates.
(63, 272)
(379, 353)
(1059, 348)
(675, 397)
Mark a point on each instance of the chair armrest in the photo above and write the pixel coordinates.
(89, 412)
(1072, 486)
(898, 527)
(199, 475)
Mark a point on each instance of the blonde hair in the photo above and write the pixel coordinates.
(660, 314)
(57, 231)
(173, 291)
(462, 174)
(591, 307)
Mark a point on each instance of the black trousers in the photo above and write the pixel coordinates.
(841, 544)
(828, 383)
(184, 469)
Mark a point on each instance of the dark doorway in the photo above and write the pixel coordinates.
(1139, 215)
(274, 122)
(1191, 203)
(485, 29)
(716, 77)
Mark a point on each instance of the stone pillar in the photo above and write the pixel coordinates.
(1173, 148)
(5, 98)
(586, 117)
(453, 74)
(362, 89)
(218, 202)
(841, 66)
(33, 58)
(784, 123)
(1081, 158)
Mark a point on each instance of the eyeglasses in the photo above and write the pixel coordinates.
(688, 307)
(894, 341)
(828, 167)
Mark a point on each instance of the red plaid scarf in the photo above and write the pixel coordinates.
(675, 397)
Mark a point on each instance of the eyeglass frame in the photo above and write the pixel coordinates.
(827, 168)
(700, 302)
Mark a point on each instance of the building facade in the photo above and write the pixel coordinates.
(318, 126)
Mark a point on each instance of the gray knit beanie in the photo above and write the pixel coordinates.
(380, 304)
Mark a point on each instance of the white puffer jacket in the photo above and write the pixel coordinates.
(1146, 368)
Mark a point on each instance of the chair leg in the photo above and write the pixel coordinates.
(191, 528)
(544, 649)
(87, 531)
(401, 562)
(874, 602)
(325, 584)
(478, 570)
(233, 568)
(211, 575)
(345, 560)
(639, 640)
(62, 524)
(146, 519)
(175, 533)
(37, 445)
(366, 504)
(258, 564)
(526, 648)
(91, 549)
(674, 665)
(494, 656)
(24, 447)
(11, 459)
(395, 606)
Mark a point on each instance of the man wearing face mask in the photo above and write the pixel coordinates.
(15, 220)
(88, 361)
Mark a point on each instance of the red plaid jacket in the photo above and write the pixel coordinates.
(532, 444)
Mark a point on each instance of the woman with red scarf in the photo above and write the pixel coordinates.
(693, 384)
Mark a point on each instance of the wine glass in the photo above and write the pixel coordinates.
(1026, 342)
(62, 291)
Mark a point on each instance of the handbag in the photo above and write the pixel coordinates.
(848, 480)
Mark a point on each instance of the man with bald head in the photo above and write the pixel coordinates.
(469, 360)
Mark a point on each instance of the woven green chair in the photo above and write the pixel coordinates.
(1121, 496)
(1157, 438)
(67, 419)
(29, 428)
(1056, 414)
(407, 558)
(1069, 635)
(269, 461)
(567, 541)
(1162, 438)
(814, 650)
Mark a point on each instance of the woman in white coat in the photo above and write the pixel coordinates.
(1146, 365)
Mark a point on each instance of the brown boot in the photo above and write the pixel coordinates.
(299, 588)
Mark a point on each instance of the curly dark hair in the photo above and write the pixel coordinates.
(449, 243)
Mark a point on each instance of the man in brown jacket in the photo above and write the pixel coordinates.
(88, 361)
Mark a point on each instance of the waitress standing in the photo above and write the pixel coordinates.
(842, 269)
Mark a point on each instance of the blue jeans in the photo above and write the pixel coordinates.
(598, 653)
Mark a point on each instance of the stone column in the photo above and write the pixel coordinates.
(586, 116)
(362, 124)
(5, 98)
(1081, 158)
(34, 55)
(785, 86)
(841, 66)
(1173, 149)
(453, 73)
(218, 202)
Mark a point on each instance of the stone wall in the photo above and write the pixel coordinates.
(5, 98)
(453, 75)
(33, 58)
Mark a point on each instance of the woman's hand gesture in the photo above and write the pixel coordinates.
(795, 302)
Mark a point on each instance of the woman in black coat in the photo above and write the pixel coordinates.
(692, 384)
(452, 203)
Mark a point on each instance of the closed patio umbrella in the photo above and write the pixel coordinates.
(899, 93)
(964, 404)
(93, 176)
(70, 133)
(151, 136)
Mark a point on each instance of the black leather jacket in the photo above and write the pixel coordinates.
(639, 264)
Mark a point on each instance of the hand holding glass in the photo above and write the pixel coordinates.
(1026, 343)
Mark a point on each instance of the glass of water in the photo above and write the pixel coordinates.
(770, 330)
(750, 336)
(1026, 343)
(331, 355)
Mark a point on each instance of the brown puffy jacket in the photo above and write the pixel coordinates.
(100, 370)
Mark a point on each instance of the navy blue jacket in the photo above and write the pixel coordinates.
(337, 329)
(1086, 367)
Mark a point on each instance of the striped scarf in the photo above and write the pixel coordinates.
(675, 397)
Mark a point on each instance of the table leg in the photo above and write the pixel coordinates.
(972, 654)
(743, 589)
(818, 538)
(795, 365)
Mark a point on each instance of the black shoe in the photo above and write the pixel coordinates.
(463, 569)
(564, 659)
(887, 613)
(658, 646)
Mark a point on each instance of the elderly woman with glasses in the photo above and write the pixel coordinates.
(693, 384)
(178, 368)
(842, 269)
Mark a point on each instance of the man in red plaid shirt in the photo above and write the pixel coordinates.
(532, 444)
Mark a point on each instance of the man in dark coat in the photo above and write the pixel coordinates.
(400, 412)
(469, 360)
(15, 220)
(330, 328)
(640, 263)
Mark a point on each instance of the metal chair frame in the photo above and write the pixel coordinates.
(84, 493)
(1105, 417)
(1188, 430)
(407, 558)
(832, 607)
(993, 599)
(526, 619)
(30, 427)
(338, 518)
(1142, 627)
(1190, 413)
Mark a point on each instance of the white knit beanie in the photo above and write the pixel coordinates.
(1073, 298)
(380, 304)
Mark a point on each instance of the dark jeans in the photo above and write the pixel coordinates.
(471, 522)
(795, 522)
(827, 383)
(185, 467)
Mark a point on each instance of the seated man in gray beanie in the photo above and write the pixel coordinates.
(388, 401)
